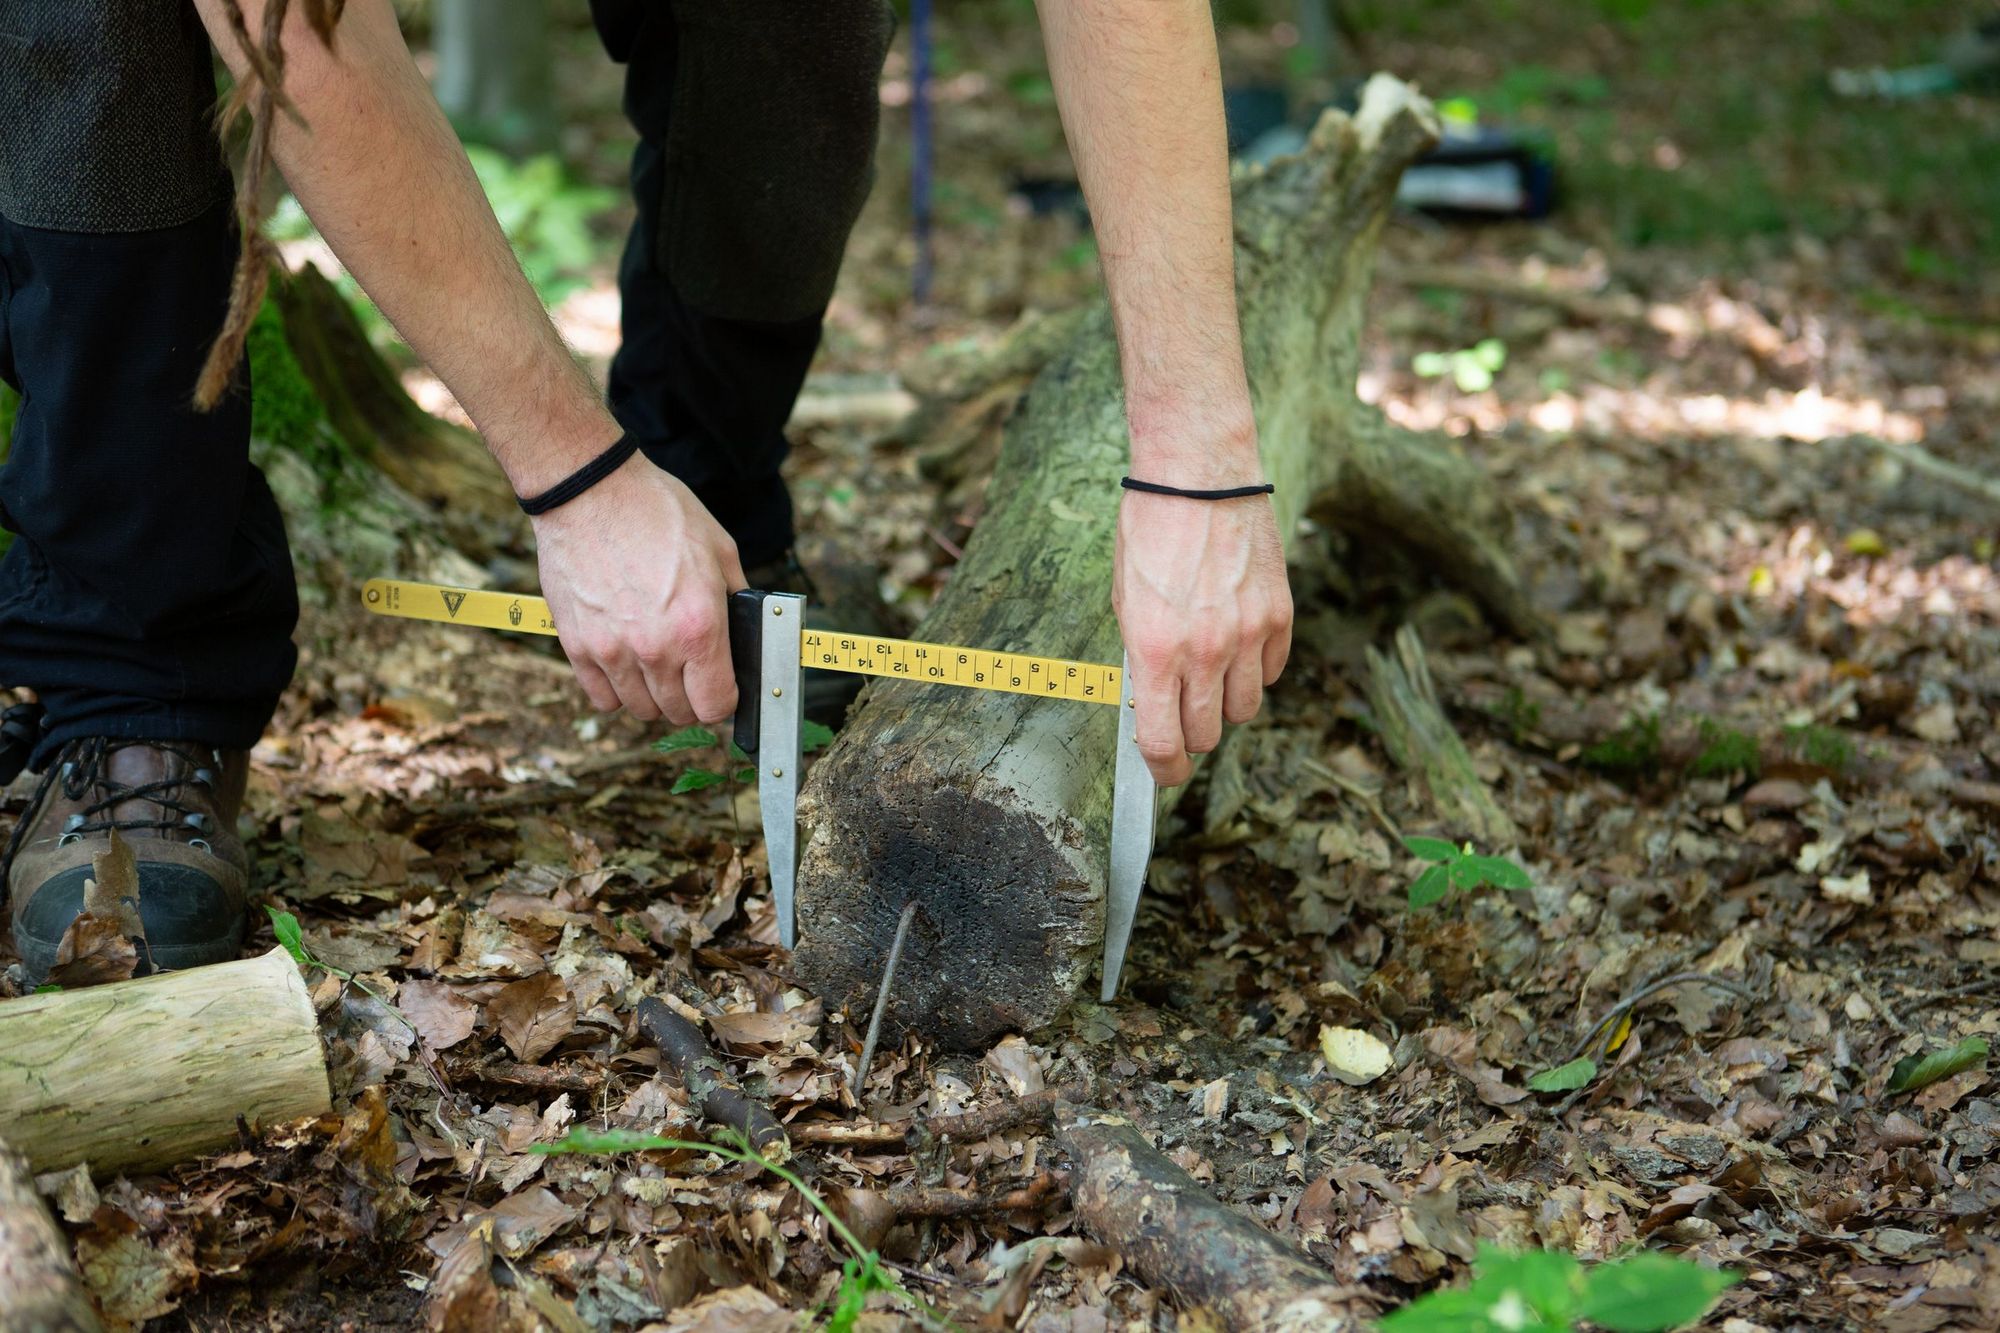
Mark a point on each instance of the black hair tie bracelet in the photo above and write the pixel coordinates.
(581, 480)
(1232, 493)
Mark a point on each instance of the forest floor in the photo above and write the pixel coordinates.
(1760, 747)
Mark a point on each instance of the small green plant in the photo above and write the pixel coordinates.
(1456, 869)
(1631, 751)
(1822, 747)
(1644, 1292)
(1927, 1067)
(1471, 368)
(1725, 752)
(1518, 713)
(812, 737)
(861, 1274)
(285, 928)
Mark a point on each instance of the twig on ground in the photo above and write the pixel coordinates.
(708, 1081)
(882, 997)
(534, 1078)
(541, 795)
(1031, 1110)
(1597, 1041)
(944, 1201)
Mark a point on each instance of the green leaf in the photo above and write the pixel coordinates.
(1499, 871)
(1453, 1310)
(1916, 1071)
(695, 779)
(1649, 1293)
(1432, 849)
(1564, 1078)
(1469, 375)
(737, 753)
(814, 736)
(1489, 353)
(687, 738)
(1434, 885)
(746, 774)
(1549, 1282)
(286, 927)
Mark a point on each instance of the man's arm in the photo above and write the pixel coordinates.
(1199, 585)
(635, 570)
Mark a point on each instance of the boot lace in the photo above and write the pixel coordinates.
(82, 768)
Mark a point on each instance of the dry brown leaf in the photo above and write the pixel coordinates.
(759, 1028)
(1014, 1060)
(441, 1016)
(533, 1015)
(94, 950)
(134, 1277)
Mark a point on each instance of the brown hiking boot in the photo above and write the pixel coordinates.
(175, 803)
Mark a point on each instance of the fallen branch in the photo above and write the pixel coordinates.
(1174, 1234)
(39, 1288)
(1035, 1110)
(944, 1201)
(533, 1078)
(708, 1081)
(1925, 463)
(139, 1075)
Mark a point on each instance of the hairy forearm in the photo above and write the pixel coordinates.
(382, 176)
(1139, 86)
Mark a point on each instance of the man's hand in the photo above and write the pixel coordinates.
(1201, 596)
(638, 576)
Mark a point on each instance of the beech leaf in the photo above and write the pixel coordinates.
(1922, 1070)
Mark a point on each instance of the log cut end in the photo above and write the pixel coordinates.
(1009, 908)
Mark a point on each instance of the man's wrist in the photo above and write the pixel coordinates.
(1196, 450)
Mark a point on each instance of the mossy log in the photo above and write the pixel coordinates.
(139, 1075)
(992, 810)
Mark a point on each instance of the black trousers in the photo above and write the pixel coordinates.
(148, 591)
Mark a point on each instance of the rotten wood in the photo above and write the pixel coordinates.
(139, 1075)
(993, 810)
(1420, 738)
(40, 1291)
(1174, 1234)
(1033, 1110)
(944, 1201)
(708, 1081)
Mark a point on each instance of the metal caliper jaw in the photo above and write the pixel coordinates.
(765, 629)
(1134, 803)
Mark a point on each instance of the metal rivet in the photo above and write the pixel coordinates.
(777, 693)
(374, 594)
(777, 610)
(777, 772)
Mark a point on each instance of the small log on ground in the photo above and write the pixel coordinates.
(40, 1291)
(139, 1075)
(709, 1084)
(1176, 1235)
(993, 810)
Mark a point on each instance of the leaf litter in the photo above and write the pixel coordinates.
(1760, 747)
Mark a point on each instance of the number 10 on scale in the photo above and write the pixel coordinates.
(943, 664)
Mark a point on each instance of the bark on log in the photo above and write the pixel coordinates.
(992, 810)
(139, 1075)
(1176, 1235)
(40, 1291)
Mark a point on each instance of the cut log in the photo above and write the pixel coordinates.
(139, 1075)
(40, 1291)
(992, 810)
(1176, 1235)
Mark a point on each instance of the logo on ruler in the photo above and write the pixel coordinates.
(514, 613)
(452, 601)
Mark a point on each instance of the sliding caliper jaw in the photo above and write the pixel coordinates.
(1134, 803)
(765, 629)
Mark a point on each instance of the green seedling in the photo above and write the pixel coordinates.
(1725, 752)
(1631, 751)
(1822, 747)
(1564, 1078)
(285, 927)
(1456, 869)
(1644, 1292)
(812, 736)
(863, 1271)
(1471, 368)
